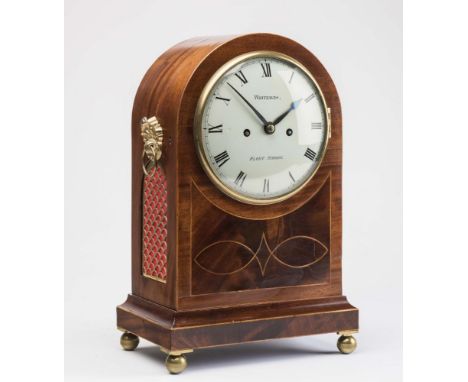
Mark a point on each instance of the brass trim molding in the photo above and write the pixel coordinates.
(175, 352)
(301, 315)
(347, 333)
(199, 117)
(239, 322)
(153, 278)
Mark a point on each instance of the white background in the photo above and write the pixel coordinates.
(109, 46)
(31, 196)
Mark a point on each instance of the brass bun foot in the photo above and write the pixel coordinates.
(346, 344)
(176, 364)
(129, 341)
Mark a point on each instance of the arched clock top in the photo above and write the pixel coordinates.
(224, 250)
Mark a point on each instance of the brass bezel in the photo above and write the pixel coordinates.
(199, 116)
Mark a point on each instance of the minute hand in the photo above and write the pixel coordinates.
(293, 106)
(264, 121)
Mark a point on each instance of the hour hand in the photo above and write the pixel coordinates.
(293, 106)
(264, 121)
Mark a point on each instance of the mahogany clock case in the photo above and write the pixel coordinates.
(235, 272)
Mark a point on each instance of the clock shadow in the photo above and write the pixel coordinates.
(247, 353)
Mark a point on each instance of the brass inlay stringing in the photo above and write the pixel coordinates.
(271, 253)
(152, 134)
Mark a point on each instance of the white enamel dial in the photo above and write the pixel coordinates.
(262, 128)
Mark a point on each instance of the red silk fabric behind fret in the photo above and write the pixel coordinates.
(155, 225)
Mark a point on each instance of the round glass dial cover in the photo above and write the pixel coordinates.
(262, 127)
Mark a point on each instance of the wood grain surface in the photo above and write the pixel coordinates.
(223, 254)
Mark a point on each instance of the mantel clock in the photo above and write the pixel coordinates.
(236, 202)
